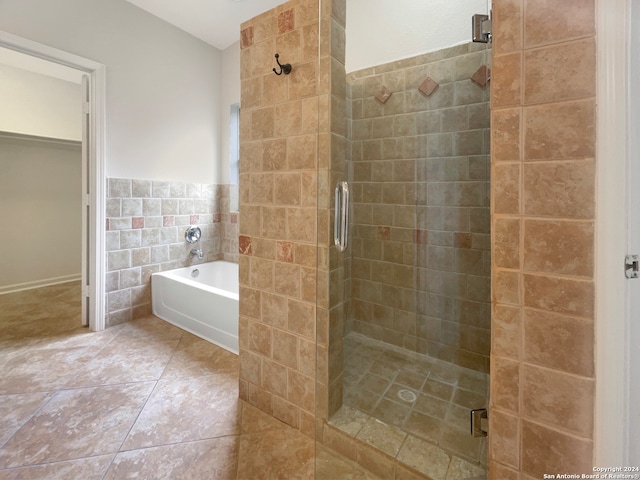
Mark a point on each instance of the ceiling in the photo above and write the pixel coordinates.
(216, 22)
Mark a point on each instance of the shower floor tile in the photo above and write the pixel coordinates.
(427, 399)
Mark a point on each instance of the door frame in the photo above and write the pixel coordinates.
(94, 236)
(633, 236)
(616, 375)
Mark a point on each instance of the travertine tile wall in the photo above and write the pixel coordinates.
(278, 213)
(146, 221)
(421, 259)
(543, 163)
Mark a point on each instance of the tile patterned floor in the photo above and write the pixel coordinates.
(140, 400)
(400, 401)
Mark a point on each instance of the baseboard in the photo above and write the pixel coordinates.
(18, 287)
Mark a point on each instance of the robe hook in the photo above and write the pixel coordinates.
(286, 68)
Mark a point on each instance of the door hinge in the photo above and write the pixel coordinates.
(481, 28)
(85, 107)
(631, 266)
(479, 422)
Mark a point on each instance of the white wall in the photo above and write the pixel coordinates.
(163, 85)
(36, 104)
(40, 205)
(40, 181)
(229, 94)
(381, 31)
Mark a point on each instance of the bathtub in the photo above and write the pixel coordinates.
(202, 299)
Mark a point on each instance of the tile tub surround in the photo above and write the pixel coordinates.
(420, 266)
(145, 227)
(543, 192)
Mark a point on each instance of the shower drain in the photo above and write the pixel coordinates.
(407, 396)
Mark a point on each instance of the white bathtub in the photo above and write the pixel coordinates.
(202, 299)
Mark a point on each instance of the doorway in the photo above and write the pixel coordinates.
(92, 172)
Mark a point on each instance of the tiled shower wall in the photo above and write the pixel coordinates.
(278, 200)
(146, 221)
(543, 177)
(421, 248)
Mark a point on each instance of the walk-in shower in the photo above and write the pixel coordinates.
(408, 296)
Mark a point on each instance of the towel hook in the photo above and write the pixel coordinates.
(286, 68)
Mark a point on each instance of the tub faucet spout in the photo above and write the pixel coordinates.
(198, 252)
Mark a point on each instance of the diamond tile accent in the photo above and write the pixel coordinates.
(246, 37)
(384, 233)
(284, 251)
(428, 86)
(482, 76)
(244, 244)
(286, 21)
(383, 94)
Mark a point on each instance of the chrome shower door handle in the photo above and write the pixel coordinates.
(341, 216)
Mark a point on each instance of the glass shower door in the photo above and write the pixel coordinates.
(409, 317)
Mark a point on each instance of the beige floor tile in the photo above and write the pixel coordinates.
(127, 359)
(442, 392)
(432, 406)
(391, 412)
(375, 383)
(187, 409)
(194, 357)
(41, 369)
(458, 417)
(215, 459)
(411, 379)
(254, 420)
(349, 420)
(92, 468)
(438, 389)
(276, 454)
(474, 381)
(150, 327)
(384, 437)
(460, 469)
(361, 399)
(77, 423)
(15, 410)
(386, 369)
(424, 426)
(468, 399)
(461, 443)
(193, 425)
(445, 373)
(425, 457)
(330, 466)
